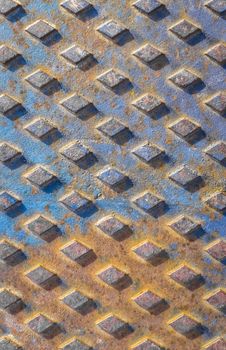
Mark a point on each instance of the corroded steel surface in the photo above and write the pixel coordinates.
(112, 167)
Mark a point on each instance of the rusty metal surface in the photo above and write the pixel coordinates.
(112, 170)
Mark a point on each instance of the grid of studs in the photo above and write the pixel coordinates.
(122, 162)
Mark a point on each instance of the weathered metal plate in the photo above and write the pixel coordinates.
(112, 174)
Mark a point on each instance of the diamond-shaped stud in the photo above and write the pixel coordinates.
(186, 80)
(41, 29)
(79, 302)
(115, 278)
(77, 7)
(111, 29)
(187, 277)
(44, 278)
(10, 302)
(115, 130)
(112, 79)
(217, 151)
(8, 152)
(40, 176)
(150, 154)
(43, 228)
(44, 326)
(7, 343)
(40, 128)
(79, 154)
(148, 6)
(219, 344)
(147, 345)
(187, 227)
(10, 254)
(218, 103)
(217, 6)
(217, 202)
(218, 251)
(150, 105)
(76, 345)
(79, 253)
(187, 178)
(115, 179)
(9, 106)
(187, 130)
(151, 204)
(217, 53)
(218, 300)
(151, 302)
(76, 203)
(187, 326)
(43, 81)
(79, 106)
(8, 201)
(7, 7)
(151, 253)
(114, 228)
(79, 57)
(115, 327)
(150, 56)
(185, 30)
(8, 55)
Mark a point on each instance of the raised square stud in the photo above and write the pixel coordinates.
(79, 154)
(116, 131)
(43, 228)
(114, 228)
(77, 7)
(76, 345)
(151, 56)
(115, 326)
(185, 30)
(78, 204)
(151, 204)
(41, 128)
(187, 81)
(187, 130)
(10, 254)
(79, 302)
(42, 81)
(218, 300)
(218, 103)
(10, 107)
(217, 6)
(7, 343)
(79, 253)
(41, 30)
(217, 250)
(187, 277)
(115, 179)
(151, 302)
(217, 53)
(150, 154)
(8, 55)
(8, 201)
(147, 345)
(79, 106)
(112, 79)
(79, 57)
(217, 202)
(111, 29)
(10, 302)
(187, 228)
(115, 278)
(44, 278)
(217, 151)
(40, 177)
(187, 326)
(8, 7)
(148, 7)
(151, 253)
(219, 344)
(151, 105)
(44, 326)
(187, 178)
(8, 152)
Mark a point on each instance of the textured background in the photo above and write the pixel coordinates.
(181, 103)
